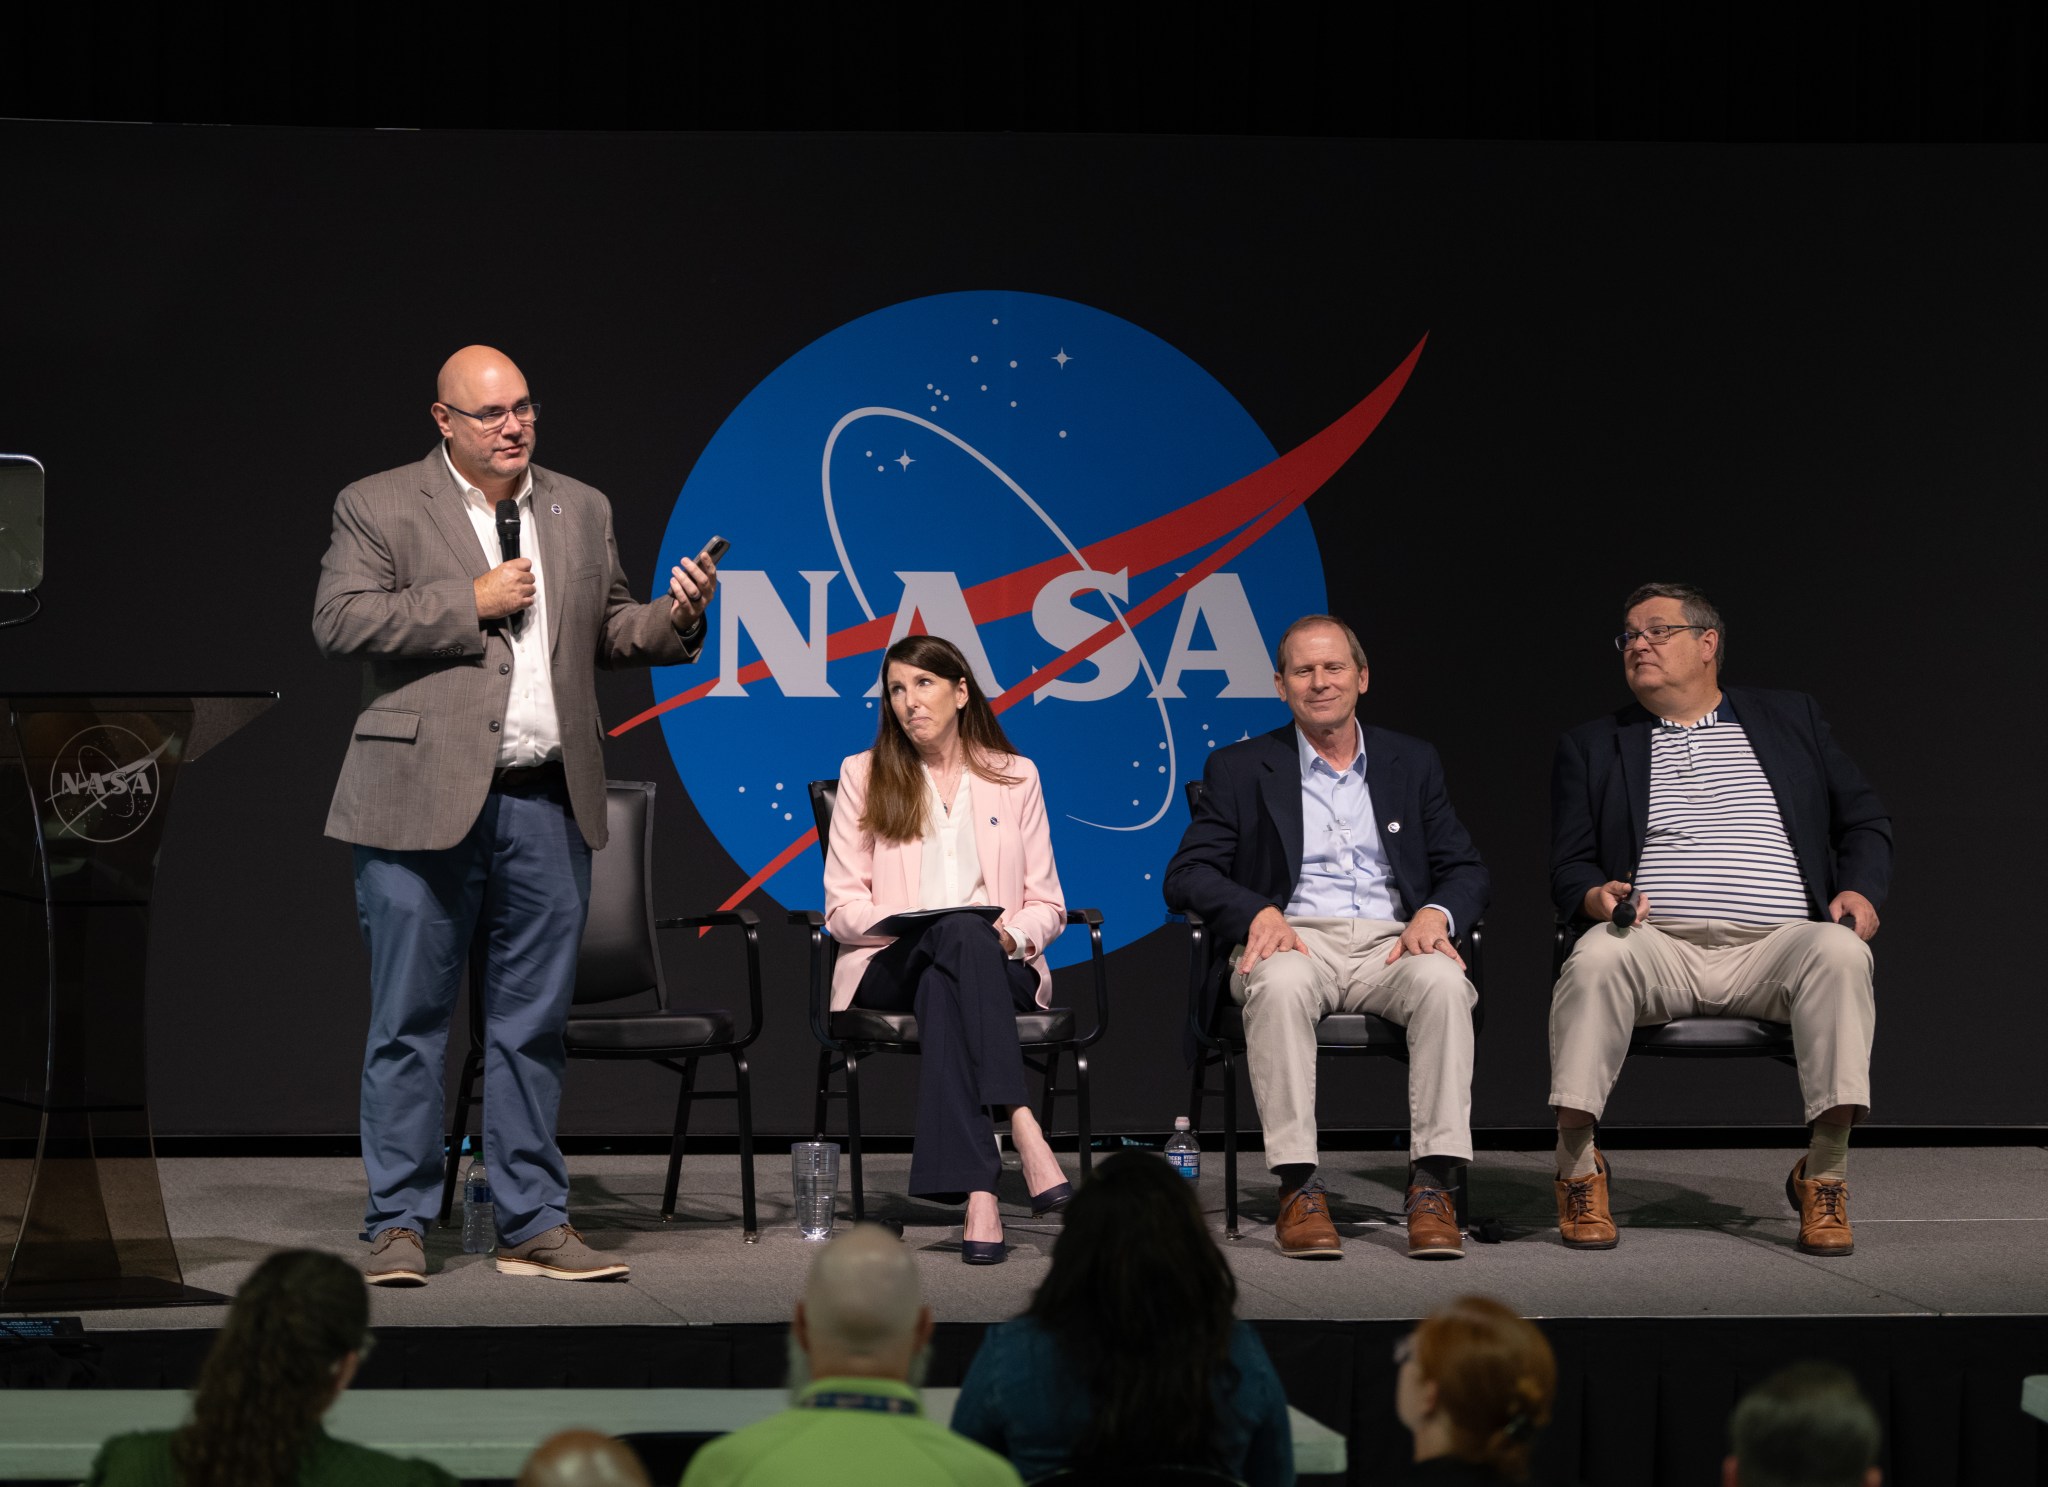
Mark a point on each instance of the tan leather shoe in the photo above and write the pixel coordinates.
(1303, 1230)
(557, 1254)
(396, 1258)
(1583, 1217)
(1433, 1226)
(1823, 1207)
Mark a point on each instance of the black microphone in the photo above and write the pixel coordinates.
(508, 544)
(508, 529)
(1625, 912)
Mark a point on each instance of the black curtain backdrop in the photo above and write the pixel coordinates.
(1807, 378)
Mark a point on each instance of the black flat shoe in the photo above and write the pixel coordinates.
(1053, 1200)
(982, 1251)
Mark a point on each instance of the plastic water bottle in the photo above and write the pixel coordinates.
(1183, 1151)
(479, 1214)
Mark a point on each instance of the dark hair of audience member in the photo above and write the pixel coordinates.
(1806, 1424)
(273, 1371)
(896, 784)
(1142, 1305)
(1495, 1377)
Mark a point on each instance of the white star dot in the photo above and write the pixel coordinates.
(786, 816)
(905, 460)
(880, 468)
(1063, 433)
(984, 387)
(743, 789)
(995, 322)
(778, 784)
(1013, 366)
(1013, 402)
(973, 360)
(1063, 358)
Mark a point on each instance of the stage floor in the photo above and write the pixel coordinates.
(1707, 1233)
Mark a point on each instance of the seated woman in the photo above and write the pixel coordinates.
(1475, 1385)
(941, 813)
(1130, 1355)
(292, 1341)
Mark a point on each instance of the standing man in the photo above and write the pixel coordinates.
(1753, 856)
(1328, 854)
(473, 791)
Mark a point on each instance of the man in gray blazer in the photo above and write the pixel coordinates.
(473, 792)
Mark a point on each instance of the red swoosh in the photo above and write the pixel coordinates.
(1264, 498)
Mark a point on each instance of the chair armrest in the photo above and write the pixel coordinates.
(1098, 968)
(746, 917)
(810, 917)
(749, 924)
(824, 956)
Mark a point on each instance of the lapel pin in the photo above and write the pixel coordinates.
(1393, 826)
(991, 820)
(556, 508)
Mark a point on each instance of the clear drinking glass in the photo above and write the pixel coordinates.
(814, 1177)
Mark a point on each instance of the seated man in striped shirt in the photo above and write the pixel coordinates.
(1754, 857)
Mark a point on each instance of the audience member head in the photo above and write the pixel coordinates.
(1805, 1426)
(1141, 1302)
(862, 1315)
(896, 783)
(582, 1458)
(292, 1340)
(1476, 1383)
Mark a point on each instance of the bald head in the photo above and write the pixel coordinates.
(491, 449)
(862, 1312)
(582, 1458)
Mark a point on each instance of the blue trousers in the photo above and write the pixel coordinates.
(519, 884)
(966, 995)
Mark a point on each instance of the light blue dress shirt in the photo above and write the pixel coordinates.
(1345, 872)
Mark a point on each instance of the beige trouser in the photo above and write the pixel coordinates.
(1345, 970)
(1815, 976)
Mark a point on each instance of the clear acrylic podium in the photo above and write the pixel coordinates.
(85, 791)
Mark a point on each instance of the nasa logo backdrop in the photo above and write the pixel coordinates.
(1087, 513)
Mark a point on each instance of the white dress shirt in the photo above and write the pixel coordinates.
(949, 877)
(532, 733)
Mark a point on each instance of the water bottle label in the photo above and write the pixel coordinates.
(1187, 1163)
(477, 1192)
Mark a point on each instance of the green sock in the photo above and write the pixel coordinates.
(1575, 1151)
(1827, 1153)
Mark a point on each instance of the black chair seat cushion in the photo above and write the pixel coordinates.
(647, 1032)
(1712, 1037)
(865, 1025)
(1338, 1030)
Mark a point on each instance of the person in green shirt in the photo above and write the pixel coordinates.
(298, 1330)
(857, 1421)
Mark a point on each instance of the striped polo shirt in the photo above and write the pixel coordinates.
(1716, 846)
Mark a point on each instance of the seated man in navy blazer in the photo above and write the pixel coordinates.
(1328, 854)
(1749, 857)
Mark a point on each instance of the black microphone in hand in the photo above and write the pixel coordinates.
(1848, 922)
(1625, 911)
(508, 547)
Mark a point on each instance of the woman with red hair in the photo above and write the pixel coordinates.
(1475, 1386)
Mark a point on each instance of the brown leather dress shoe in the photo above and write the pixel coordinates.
(1303, 1230)
(1583, 1217)
(1433, 1226)
(1823, 1207)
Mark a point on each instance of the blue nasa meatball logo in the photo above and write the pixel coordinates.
(1089, 515)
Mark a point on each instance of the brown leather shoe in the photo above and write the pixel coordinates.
(1583, 1217)
(1823, 1207)
(1303, 1230)
(1433, 1226)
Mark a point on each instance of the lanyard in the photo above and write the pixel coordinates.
(881, 1404)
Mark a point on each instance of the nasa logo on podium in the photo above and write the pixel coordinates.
(1089, 515)
(104, 784)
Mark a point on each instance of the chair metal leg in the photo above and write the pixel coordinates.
(1229, 1147)
(1198, 1087)
(1052, 1089)
(853, 1133)
(1081, 1109)
(685, 1087)
(743, 1100)
(472, 1067)
(824, 1094)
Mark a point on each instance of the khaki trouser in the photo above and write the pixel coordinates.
(1345, 970)
(1815, 976)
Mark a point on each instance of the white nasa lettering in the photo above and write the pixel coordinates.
(1239, 652)
(1065, 624)
(748, 601)
(747, 598)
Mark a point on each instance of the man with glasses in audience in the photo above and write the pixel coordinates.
(473, 792)
(1726, 859)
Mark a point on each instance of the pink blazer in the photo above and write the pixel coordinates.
(866, 881)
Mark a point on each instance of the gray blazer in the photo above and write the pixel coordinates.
(395, 593)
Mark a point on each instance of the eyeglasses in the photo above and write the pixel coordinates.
(492, 418)
(1655, 634)
(1404, 1348)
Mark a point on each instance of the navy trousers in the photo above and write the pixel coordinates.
(522, 877)
(966, 994)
